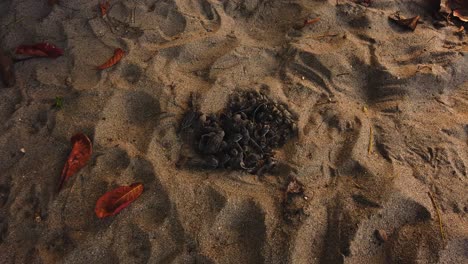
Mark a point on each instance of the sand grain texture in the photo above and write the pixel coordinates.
(352, 72)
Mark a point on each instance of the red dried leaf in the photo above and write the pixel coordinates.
(118, 54)
(111, 203)
(104, 7)
(6, 70)
(43, 49)
(79, 156)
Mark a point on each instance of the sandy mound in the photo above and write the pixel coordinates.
(353, 77)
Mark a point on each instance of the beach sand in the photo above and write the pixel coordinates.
(382, 119)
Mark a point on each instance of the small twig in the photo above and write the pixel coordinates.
(371, 139)
(437, 99)
(358, 185)
(16, 60)
(7, 30)
(13, 22)
(311, 21)
(225, 68)
(341, 74)
(442, 234)
(431, 39)
(323, 36)
(318, 128)
(327, 102)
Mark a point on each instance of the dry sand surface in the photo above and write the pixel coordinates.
(352, 78)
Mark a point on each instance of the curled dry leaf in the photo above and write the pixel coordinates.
(111, 203)
(118, 55)
(104, 7)
(79, 156)
(43, 49)
(460, 29)
(409, 23)
(462, 14)
(6, 70)
(458, 7)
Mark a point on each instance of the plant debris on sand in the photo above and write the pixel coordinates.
(242, 137)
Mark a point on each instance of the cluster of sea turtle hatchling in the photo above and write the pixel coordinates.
(241, 137)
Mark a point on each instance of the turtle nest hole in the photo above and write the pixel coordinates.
(243, 136)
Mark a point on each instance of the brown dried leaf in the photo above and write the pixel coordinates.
(462, 14)
(458, 7)
(409, 23)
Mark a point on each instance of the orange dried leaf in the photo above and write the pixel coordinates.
(111, 203)
(118, 55)
(104, 7)
(79, 156)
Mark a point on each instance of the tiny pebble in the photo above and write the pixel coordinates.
(306, 198)
(23, 150)
(37, 217)
(381, 235)
(303, 78)
(68, 81)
